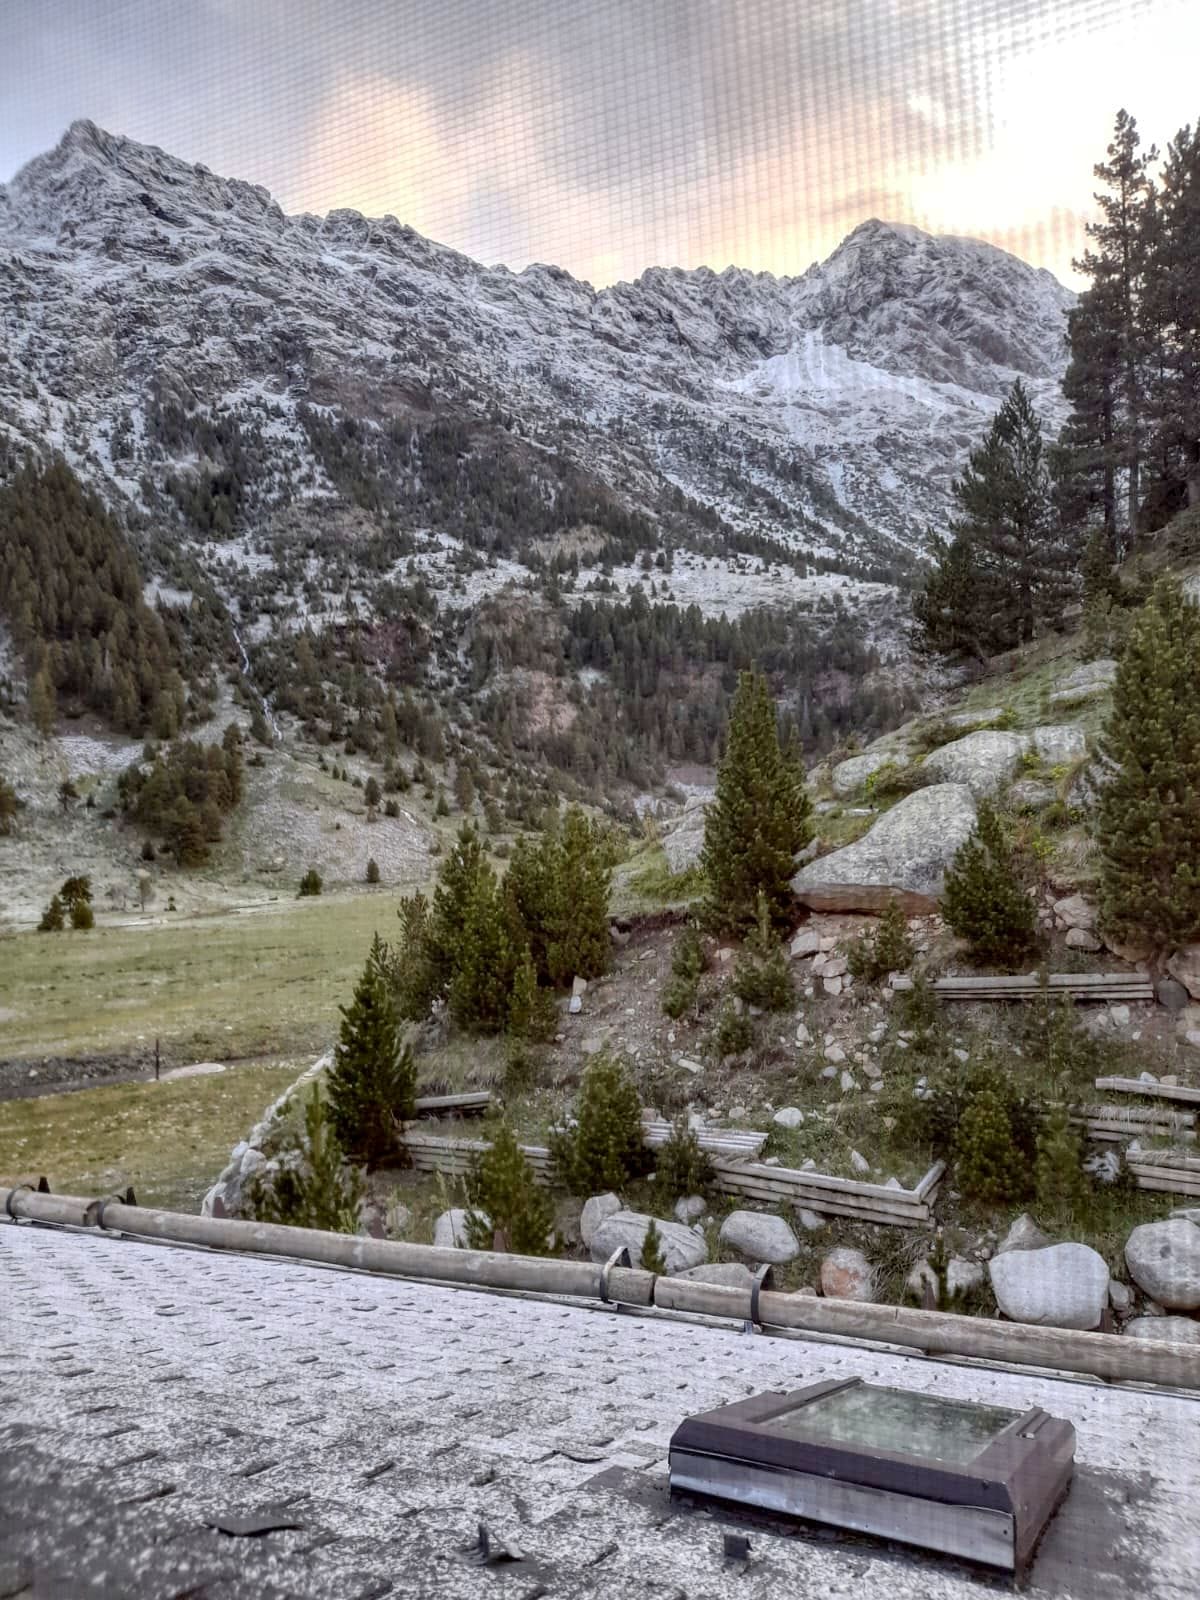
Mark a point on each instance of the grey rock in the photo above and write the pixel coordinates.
(760, 1236)
(848, 1082)
(1032, 794)
(397, 1220)
(1184, 965)
(1073, 911)
(683, 844)
(1081, 939)
(848, 777)
(1164, 1261)
(984, 761)
(905, 854)
(1171, 994)
(847, 1275)
(1085, 682)
(681, 1248)
(594, 1213)
(859, 1162)
(974, 719)
(726, 1274)
(1178, 1330)
(810, 1221)
(1060, 1286)
(1059, 745)
(690, 1209)
(835, 1054)
(1120, 1296)
(961, 1275)
(806, 943)
(575, 1005)
(1024, 1234)
(788, 1117)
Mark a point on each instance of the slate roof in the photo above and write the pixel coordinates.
(147, 1390)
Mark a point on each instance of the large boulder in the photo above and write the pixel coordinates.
(594, 1213)
(683, 844)
(905, 856)
(847, 1275)
(681, 1247)
(1059, 744)
(759, 1236)
(1184, 967)
(1024, 1234)
(984, 761)
(1164, 1261)
(1061, 1286)
(1073, 911)
(1179, 1330)
(848, 777)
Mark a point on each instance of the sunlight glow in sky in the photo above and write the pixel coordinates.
(611, 135)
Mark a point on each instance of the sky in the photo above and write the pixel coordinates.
(607, 136)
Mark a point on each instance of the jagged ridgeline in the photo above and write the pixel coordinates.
(71, 593)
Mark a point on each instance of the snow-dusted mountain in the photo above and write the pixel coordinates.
(828, 412)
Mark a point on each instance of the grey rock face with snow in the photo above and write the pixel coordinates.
(877, 369)
(905, 854)
(1061, 1286)
(1164, 1261)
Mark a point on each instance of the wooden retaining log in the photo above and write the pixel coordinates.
(1155, 1091)
(1107, 987)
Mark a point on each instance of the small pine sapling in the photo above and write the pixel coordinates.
(508, 1209)
(984, 901)
(652, 1258)
(54, 917)
(372, 1083)
(1059, 1179)
(761, 976)
(314, 1187)
(83, 918)
(682, 1168)
(734, 1032)
(372, 870)
(889, 949)
(606, 1147)
(682, 988)
(310, 884)
(988, 1166)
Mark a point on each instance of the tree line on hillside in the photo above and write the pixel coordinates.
(184, 793)
(1035, 525)
(71, 592)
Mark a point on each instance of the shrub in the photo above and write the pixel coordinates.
(53, 918)
(316, 1188)
(1058, 1171)
(148, 851)
(310, 884)
(761, 976)
(988, 1165)
(682, 1168)
(391, 808)
(501, 1186)
(652, 1258)
(984, 901)
(372, 870)
(373, 1080)
(889, 950)
(531, 1013)
(606, 1148)
(82, 916)
(678, 996)
(734, 1031)
(682, 988)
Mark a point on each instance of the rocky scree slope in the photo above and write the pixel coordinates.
(827, 412)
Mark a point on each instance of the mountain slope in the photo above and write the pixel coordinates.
(163, 327)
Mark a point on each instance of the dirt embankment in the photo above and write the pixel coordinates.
(22, 1077)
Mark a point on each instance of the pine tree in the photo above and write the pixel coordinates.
(1086, 456)
(531, 1013)
(311, 884)
(988, 1166)
(372, 870)
(681, 1166)
(9, 806)
(509, 1211)
(759, 818)
(606, 1147)
(889, 950)
(1058, 1172)
(83, 918)
(1175, 298)
(316, 1189)
(43, 707)
(955, 609)
(372, 795)
(983, 899)
(373, 1079)
(1148, 816)
(448, 913)
(76, 891)
(414, 981)
(1013, 560)
(577, 940)
(651, 1255)
(1114, 311)
(482, 979)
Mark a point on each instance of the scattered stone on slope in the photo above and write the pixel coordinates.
(450, 1229)
(1184, 966)
(1059, 744)
(1086, 682)
(1164, 1261)
(1059, 1286)
(760, 1236)
(681, 1247)
(848, 777)
(961, 1275)
(984, 761)
(788, 1117)
(847, 1275)
(690, 1209)
(1073, 911)
(1032, 794)
(806, 943)
(905, 855)
(1081, 939)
